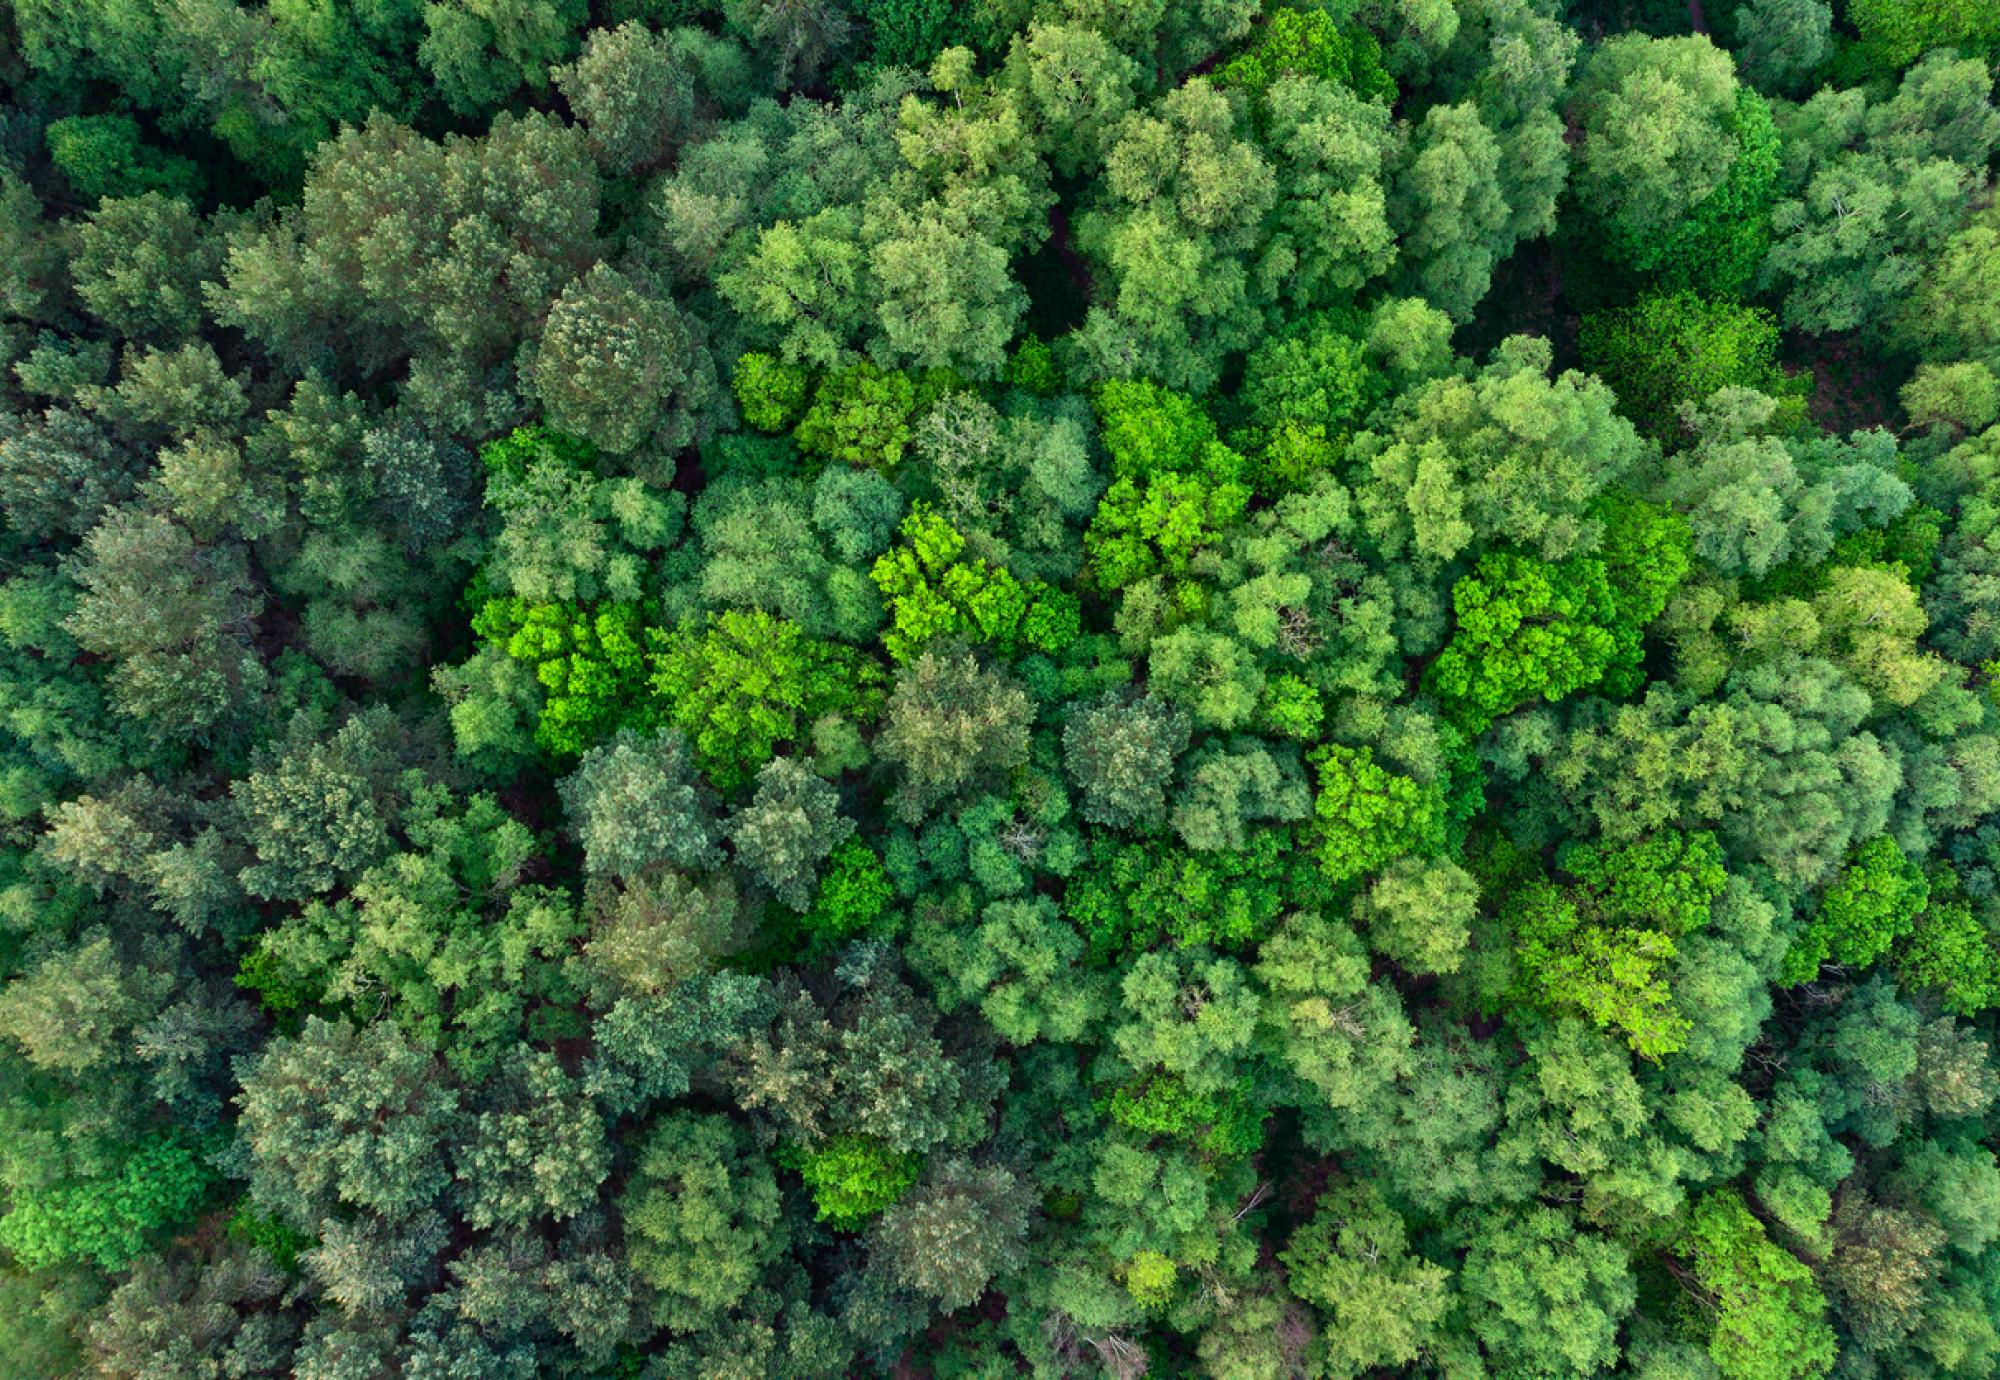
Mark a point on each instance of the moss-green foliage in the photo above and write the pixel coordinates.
(111, 1218)
(852, 1178)
(853, 893)
(1527, 629)
(1604, 946)
(938, 591)
(1225, 1124)
(1135, 895)
(1670, 350)
(1227, 689)
(1955, 954)
(744, 683)
(1720, 247)
(1307, 43)
(1524, 630)
(860, 415)
(1898, 32)
(105, 156)
(770, 392)
(1769, 1316)
(1873, 903)
(1145, 429)
(590, 663)
(1365, 815)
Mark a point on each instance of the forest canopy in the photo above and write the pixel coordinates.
(954, 689)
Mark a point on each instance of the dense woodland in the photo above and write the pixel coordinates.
(891, 688)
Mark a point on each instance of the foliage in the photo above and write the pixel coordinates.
(748, 682)
(1671, 350)
(1769, 1313)
(1874, 902)
(115, 1219)
(852, 1178)
(816, 688)
(1306, 43)
(1365, 816)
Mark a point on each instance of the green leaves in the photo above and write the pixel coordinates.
(940, 593)
(590, 663)
(113, 1219)
(1352, 1261)
(1366, 817)
(1769, 1314)
(1307, 43)
(1873, 903)
(745, 683)
(1524, 630)
(852, 1178)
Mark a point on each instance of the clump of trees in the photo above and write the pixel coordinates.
(830, 688)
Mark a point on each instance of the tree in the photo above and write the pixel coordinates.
(1659, 118)
(344, 1115)
(1021, 963)
(939, 592)
(1667, 351)
(1507, 454)
(1213, 677)
(1317, 376)
(651, 932)
(110, 1220)
(1077, 84)
(1782, 42)
(636, 803)
(173, 618)
(1769, 1313)
(1755, 501)
(1419, 913)
(962, 1225)
(704, 1217)
(1465, 197)
(1885, 1262)
(1523, 628)
(446, 254)
(1352, 1260)
(853, 1177)
(192, 1310)
(140, 263)
(482, 51)
(853, 894)
(633, 93)
(319, 810)
(1307, 43)
(745, 684)
(1541, 1296)
(1900, 31)
(949, 722)
(790, 824)
(1227, 790)
(1185, 196)
(537, 1150)
(619, 366)
(861, 415)
(1121, 755)
(770, 392)
(1872, 192)
(414, 943)
(105, 156)
(1953, 310)
(1874, 902)
(801, 36)
(1135, 893)
(588, 672)
(1367, 817)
